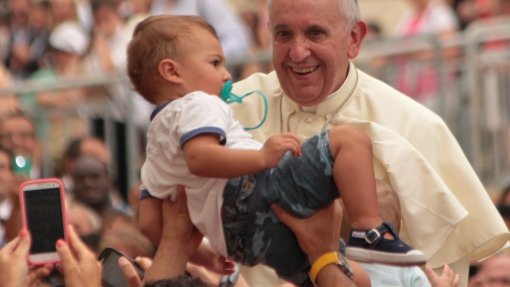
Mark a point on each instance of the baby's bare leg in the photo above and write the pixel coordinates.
(371, 240)
(150, 218)
(354, 175)
(389, 206)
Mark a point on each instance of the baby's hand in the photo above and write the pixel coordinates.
(207, 257)
(277, 145)
(447, 279)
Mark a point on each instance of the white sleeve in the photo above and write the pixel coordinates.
(203, 114)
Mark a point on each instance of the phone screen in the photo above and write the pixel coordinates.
(44, 218)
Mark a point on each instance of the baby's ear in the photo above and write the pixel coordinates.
(168, 69)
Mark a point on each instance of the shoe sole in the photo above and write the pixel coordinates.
(411, 258)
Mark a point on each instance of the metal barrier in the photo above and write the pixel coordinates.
(125, 153)
(472, 92)
(465, 79)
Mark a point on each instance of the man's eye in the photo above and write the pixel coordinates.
(282, 36)
(316, 34)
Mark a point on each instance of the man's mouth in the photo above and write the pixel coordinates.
(304, 70)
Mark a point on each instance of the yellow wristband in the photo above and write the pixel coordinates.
(321, 262)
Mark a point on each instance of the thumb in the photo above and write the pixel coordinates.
(280, 212)
(129, 272)
(65, 254)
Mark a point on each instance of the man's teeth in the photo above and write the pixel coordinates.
(304, 70)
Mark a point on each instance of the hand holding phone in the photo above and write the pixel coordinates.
(79, 263)
(112, 275)
(43, 212)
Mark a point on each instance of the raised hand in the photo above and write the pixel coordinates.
(276, 146)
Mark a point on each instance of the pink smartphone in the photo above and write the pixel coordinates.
(43, 211)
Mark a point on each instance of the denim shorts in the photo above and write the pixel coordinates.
(301, 185)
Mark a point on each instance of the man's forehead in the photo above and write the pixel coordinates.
(306, 13)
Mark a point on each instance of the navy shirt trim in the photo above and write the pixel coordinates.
(158, 109)
(204, 130)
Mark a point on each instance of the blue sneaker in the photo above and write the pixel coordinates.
(369, 246)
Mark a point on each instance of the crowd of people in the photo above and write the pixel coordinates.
(426, 190)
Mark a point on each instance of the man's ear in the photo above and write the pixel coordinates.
(358, 33)
(169, 70)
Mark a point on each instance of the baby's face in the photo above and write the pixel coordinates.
(202, 63)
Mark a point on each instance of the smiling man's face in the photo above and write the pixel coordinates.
(312, 45)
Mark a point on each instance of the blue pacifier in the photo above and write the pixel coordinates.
(228, 97)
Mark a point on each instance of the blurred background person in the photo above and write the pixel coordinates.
(57, 111)
(503, 204)
(254, 16)
(374, 31)
(28, 39)
(8, 103)
(19, 137)
(92, 187)
(469, 11)
(416, 77)
(233, 34)
(135, 11)
(9, 225)
(4, 30)
(73, 10)
(110, 37)
(492, 272)
(75, 148)
(107, 56)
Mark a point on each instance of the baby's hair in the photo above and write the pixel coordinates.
(155, 39)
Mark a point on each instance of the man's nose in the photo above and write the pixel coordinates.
(299, 49)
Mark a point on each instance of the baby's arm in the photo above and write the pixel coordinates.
(205, 156)
(150, 218)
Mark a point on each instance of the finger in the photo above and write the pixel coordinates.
(448, 273)
(446, 269)
(283, 215)
(144, 262)
(132, 278)
(292, 136)
(293, 146)
(229, 266)
(38, 273)
(429, 272)
(456, 280)
(23, 244)
(65, 254)
(11, 245)
(297, 145)
(78, 247)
